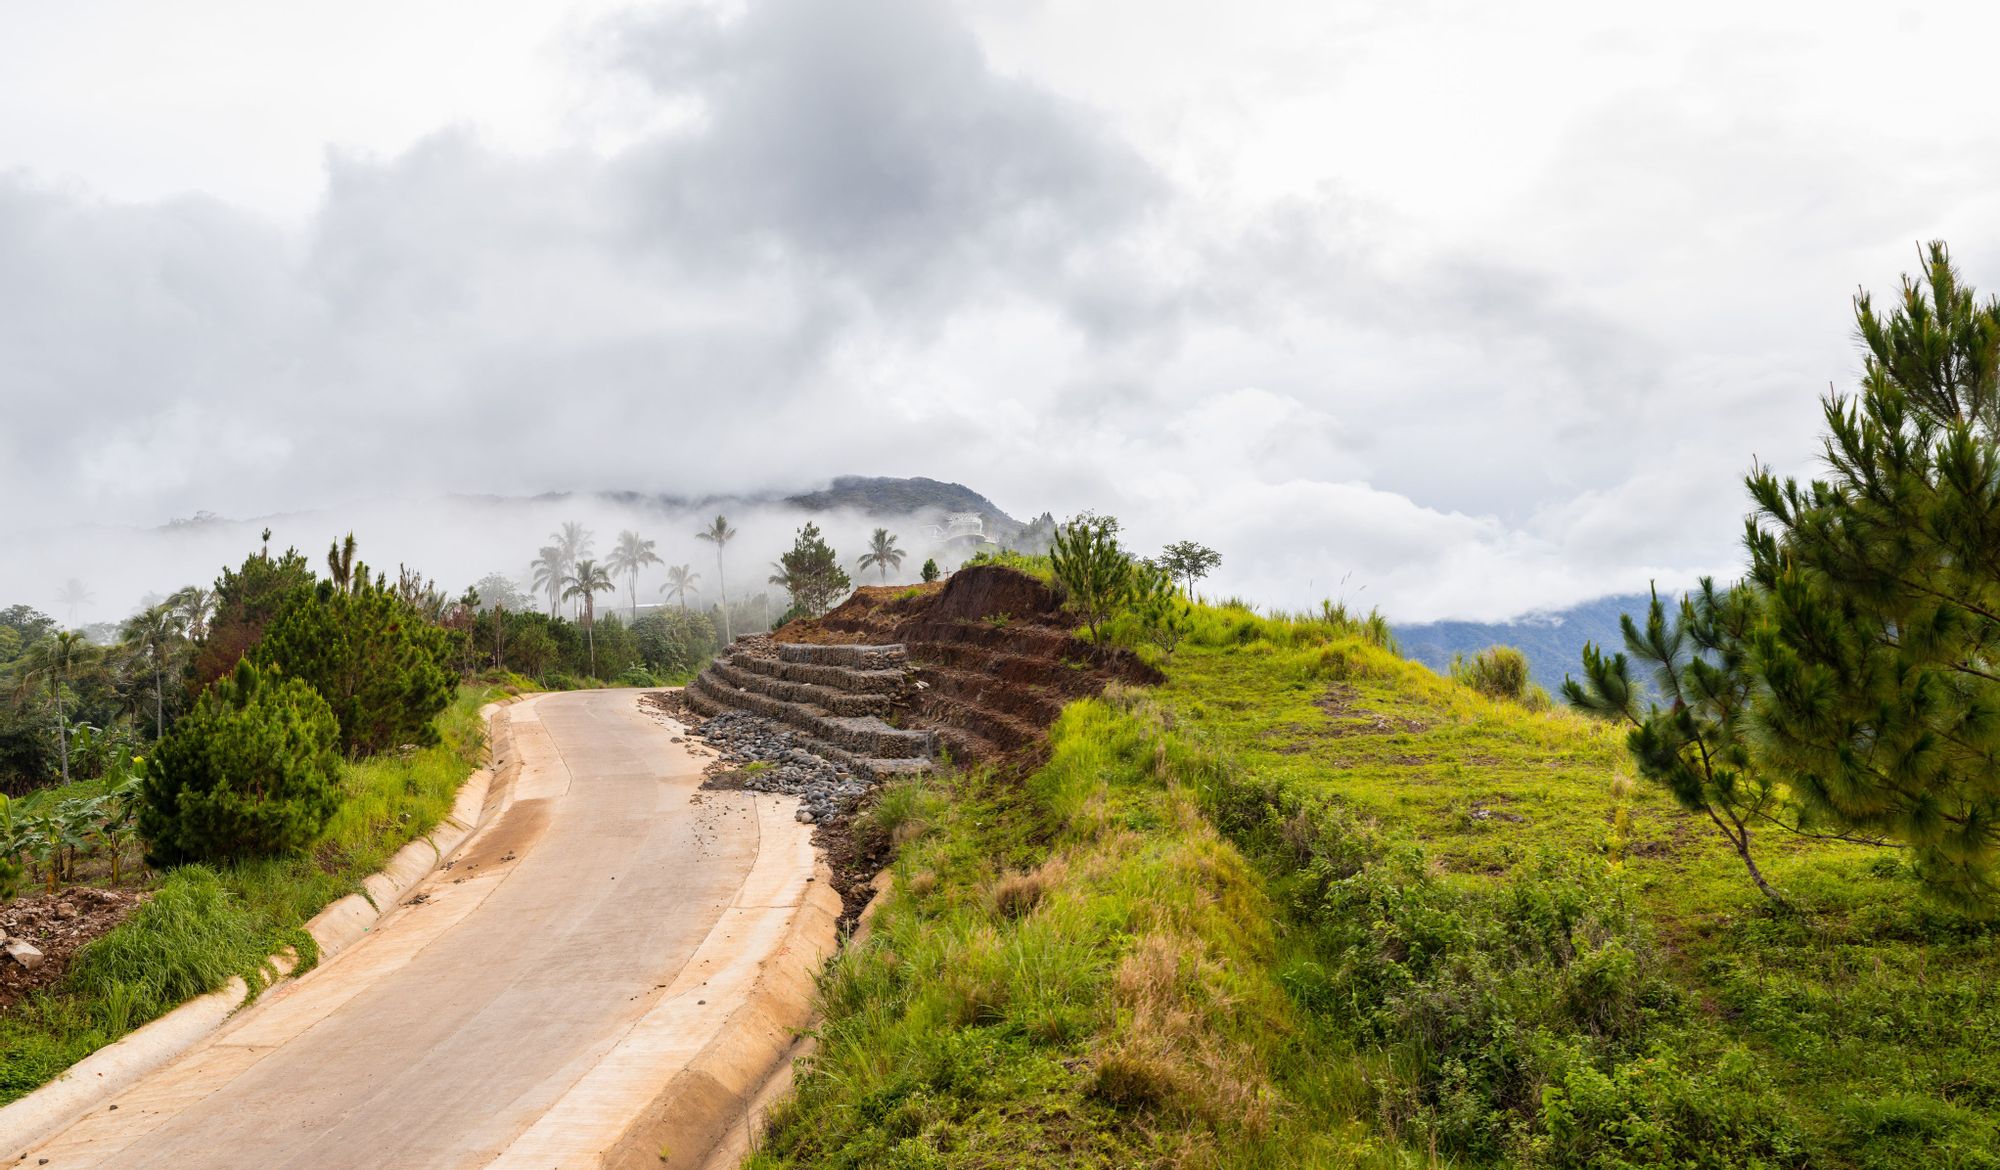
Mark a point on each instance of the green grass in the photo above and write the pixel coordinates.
(1309, 904)
(1075, 972)
(202, 925)
(1855, 1032)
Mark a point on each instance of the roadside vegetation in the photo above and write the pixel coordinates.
(1310, 904)
(203, 924)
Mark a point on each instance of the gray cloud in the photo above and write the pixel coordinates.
(850, 242)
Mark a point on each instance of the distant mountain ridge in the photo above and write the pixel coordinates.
(1553, 640)
(876, 495)
(870, 495)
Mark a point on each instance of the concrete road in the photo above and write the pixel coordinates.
(540, 1002)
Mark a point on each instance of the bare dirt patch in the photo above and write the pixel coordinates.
(1340, 702)
(58, 925)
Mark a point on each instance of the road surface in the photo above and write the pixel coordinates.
(531, 1005)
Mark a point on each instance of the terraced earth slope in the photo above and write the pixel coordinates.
(975, 670)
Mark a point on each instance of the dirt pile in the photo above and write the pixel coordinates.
(57, 925)
(992, 650)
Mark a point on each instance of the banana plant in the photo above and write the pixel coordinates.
(10, 853)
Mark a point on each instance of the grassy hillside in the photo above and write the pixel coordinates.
(1308, 904)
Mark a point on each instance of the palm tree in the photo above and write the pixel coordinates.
(586, 583)
(193, 605)
(54, 659)
(631, 555)
(73, 595)
(720, 534)
(679, 583)
(155, 632)
(340, 564)
(550, 573)
(573, 540)
(883, 553)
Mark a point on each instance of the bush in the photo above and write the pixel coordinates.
(380, 666)
(1500, 672)
(252, 771)
(931, 572)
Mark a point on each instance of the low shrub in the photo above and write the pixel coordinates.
(1500, 672)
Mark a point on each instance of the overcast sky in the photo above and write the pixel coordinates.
(1453, 308)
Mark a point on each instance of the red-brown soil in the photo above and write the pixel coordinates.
(59, 924)
(993, 650)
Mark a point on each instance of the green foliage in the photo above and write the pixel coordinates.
(930, 572)
(674, 642)
(1735, 1036)
(1163, 614)
(62, 828)
(1499, 672)
(811, 573)
(1696, 746)
(188, 939)
(12, 846)
(1093, 572)
(1880, 696)
(382, 669)
(587, 581)
(1070, 972)
(1849, 686)
(246, 601)
(251, 771)
(1033, 564)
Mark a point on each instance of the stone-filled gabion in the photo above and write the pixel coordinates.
(824, 789)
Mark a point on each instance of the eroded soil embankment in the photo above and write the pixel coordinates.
(993, 650)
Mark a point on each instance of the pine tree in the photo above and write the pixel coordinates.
(1850, 688)
(1880, 661)
(379, 665)
(1094, 574)
(811, 573)
(250, 772)
(1695, 746)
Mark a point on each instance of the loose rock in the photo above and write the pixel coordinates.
(23, 952)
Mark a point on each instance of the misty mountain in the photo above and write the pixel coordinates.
(887, 496)
(1552, 639)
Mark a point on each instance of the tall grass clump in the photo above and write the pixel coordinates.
(1500, 672)
(188, 939)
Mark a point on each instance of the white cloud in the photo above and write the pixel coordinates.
(1482, 308)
